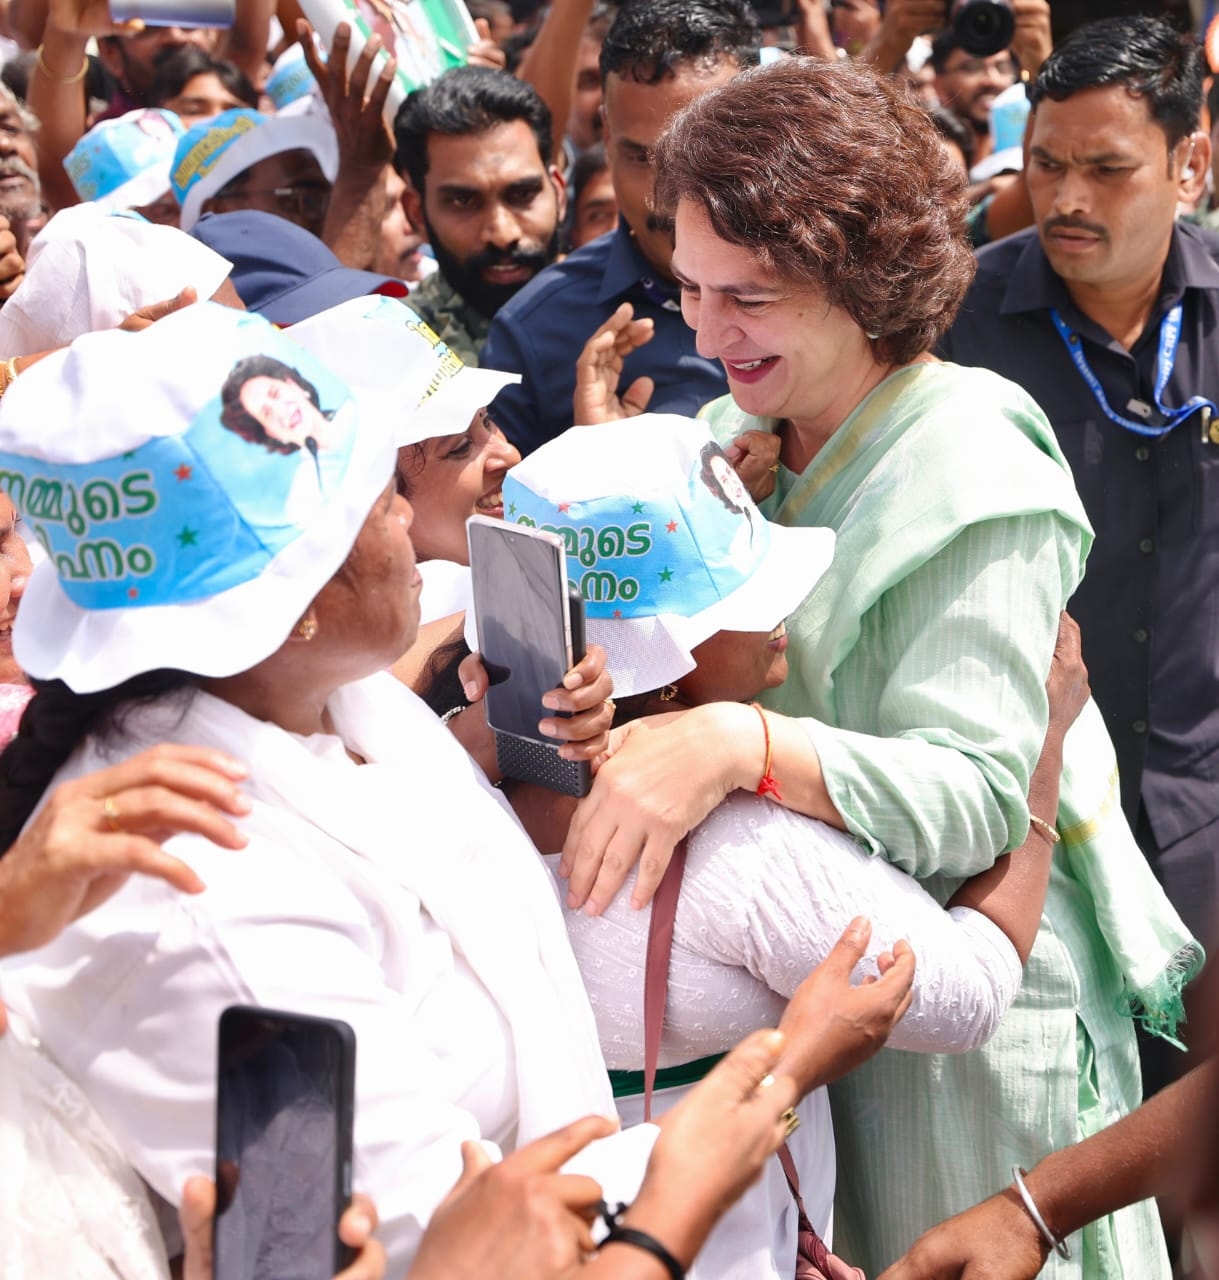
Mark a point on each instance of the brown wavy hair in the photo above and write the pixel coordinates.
(834, 177)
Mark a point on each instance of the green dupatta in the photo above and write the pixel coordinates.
(900, 453)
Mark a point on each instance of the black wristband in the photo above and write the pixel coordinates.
(649, 1244)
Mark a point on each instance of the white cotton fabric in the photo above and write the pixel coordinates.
(400, 896)
(89, 269)
(766, 894)
(71, 1205)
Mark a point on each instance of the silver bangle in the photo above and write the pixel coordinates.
(1059, 1245)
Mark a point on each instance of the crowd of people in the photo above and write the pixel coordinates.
(867, 376)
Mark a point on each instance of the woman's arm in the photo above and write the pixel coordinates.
(946, 686)
(1012, 892)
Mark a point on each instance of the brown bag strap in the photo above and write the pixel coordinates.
(656, 970)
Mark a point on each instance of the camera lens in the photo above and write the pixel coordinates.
(983, 27)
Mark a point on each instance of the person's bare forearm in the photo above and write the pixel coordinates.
(1012, 893)
(811, 30)
(245, 42)
(549, 64)
(57, 98)
(1137, 1157)
(353, 221)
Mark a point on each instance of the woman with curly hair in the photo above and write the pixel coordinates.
(821, 251)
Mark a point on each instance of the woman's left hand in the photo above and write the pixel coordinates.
(663, 777)
(94, 832)
(584, 695)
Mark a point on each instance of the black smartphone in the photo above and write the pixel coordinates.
(530, 632)
(285, 1107)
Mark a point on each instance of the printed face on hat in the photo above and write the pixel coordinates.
(14, 574)
(1105, 184)
(450, 478)
(635, 117)
(492, 208)
(284, 410)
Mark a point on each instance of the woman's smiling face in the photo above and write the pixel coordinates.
(787, 350)
(450, 478)
(282, 408)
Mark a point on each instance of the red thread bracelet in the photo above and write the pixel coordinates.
(769, 785)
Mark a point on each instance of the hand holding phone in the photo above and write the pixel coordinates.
(530, 633)
(284, 1117)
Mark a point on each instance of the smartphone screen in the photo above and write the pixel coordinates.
(284, 1110)
(520, 599)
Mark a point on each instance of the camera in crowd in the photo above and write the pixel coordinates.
(983, 27)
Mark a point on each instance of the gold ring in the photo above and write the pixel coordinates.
(766, 1081)
(791, 1122)
(110, 811)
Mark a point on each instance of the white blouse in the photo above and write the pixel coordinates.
(766, 894)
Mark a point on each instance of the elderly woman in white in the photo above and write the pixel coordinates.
(384, 882)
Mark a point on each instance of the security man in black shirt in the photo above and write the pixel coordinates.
(1107, 312)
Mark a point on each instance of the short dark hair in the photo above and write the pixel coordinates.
(464, 101)
(1147, 57)
(178, 65)
(943, 45)
(796, 161)
(238, 419)
(650, 39)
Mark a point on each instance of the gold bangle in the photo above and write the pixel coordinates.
(8, 373)
(41, 63)
(1045, 828)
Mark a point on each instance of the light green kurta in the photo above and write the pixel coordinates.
(919, 661)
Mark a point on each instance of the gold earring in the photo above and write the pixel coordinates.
(668, 693)
(306, 628)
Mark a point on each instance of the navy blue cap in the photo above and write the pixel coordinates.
(282, 271)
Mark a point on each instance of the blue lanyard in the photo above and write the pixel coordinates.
(657, 295)
(1170, 336)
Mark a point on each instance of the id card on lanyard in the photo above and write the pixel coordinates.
(1170, 337)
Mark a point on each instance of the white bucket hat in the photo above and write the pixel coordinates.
(89, 269)
(125, 162)
(215, 151)
(663, 541)
(178, 532)
(399, 367)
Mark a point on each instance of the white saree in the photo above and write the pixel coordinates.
(400, 895)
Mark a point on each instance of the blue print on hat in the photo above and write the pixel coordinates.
(636, 557)
(113, 153)
(184, 517)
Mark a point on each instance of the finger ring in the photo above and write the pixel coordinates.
(766, 1081)
(613, 706)
(791, 1122)
(773, 470)
(110, 811)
